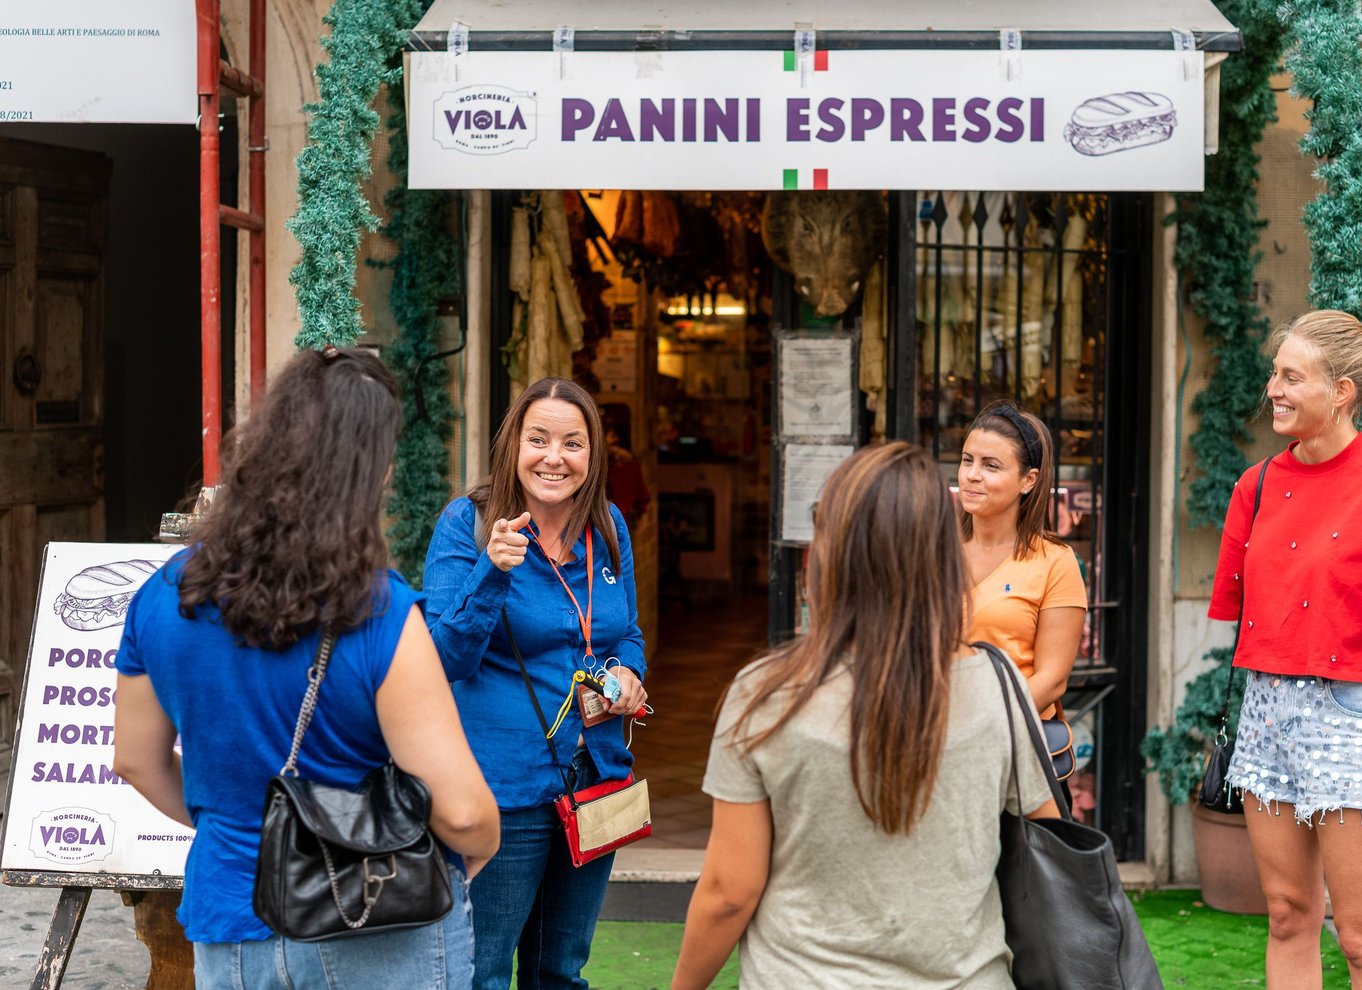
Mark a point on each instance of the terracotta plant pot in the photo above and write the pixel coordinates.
(1229, 876)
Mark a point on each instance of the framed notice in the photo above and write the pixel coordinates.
(817, 374)
(616, 364)
(67, 811)
(804, 469)
(98, 61)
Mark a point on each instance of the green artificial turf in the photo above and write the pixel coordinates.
(1195, 946)
(1206, 949)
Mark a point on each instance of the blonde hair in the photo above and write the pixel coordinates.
(1337, 338)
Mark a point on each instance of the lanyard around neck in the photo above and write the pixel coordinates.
(583, 618)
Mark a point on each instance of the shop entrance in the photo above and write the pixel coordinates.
(948, 300)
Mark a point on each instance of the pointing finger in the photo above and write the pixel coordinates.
(520, 521)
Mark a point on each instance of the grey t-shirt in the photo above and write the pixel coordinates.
(847, 905)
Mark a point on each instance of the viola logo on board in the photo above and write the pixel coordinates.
(486, 120)
(72, 835)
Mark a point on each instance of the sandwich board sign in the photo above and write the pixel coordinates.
(69, 817)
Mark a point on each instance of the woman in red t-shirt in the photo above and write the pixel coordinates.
(1293, 570)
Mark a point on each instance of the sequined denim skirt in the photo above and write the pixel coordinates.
(1300, 743)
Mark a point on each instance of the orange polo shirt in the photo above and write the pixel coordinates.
(1006, 605)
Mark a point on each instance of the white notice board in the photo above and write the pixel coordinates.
(818, 385)
(67, 812)
(98, 61)
(805, 469)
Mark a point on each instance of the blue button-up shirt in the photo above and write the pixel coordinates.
(465, 594)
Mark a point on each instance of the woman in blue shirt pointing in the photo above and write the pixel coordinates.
(537, 547)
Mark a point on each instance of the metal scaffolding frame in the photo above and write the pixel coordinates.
(215, 74)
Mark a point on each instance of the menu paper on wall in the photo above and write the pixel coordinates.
(804, 470)
(98, 61)
(817, 390)
(67, 811)
(615, 362)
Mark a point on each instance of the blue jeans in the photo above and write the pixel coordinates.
(531, 902)
(438, 956)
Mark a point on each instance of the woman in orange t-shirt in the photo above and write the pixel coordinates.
(1027, 593)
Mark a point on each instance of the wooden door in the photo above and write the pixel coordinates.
(52, 235)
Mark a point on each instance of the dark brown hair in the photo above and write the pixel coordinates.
(887, 586)
(501, 496)
(294, 539)
(1033, 512)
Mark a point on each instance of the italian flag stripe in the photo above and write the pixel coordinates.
(816, 178)
(820, 61)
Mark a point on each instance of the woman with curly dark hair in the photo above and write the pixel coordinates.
(216, 649)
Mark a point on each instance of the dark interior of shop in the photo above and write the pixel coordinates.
(151, 458)
(950, 299)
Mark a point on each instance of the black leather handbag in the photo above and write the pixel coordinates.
(1067, 919)
(337, 862)
(1215, 793)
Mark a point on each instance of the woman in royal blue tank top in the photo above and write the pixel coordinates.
(216, 649)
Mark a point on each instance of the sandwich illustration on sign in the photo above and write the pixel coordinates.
(98, 596)
(1119, 122)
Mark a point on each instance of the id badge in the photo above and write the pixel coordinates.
(594, 708)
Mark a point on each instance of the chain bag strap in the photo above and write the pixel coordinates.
(1215, 793)
(373, 882)
(320, 661)
(374, 840)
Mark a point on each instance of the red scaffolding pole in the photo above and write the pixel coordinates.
(214, 74)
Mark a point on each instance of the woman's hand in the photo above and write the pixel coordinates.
(632, 695)
(506, 546)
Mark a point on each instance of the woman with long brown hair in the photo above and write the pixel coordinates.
(858, 772)
(1026, 590)
(535, 558)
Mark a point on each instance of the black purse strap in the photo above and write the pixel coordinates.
(1223, 735)
(315, 673)
(1007, 676)
(534, 700)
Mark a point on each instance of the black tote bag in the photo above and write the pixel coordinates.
(1068, 922)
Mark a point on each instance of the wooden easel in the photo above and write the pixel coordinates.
(153, 900)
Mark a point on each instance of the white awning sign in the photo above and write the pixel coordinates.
(1106, 120)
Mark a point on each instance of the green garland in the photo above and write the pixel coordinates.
(364, 50)
(332, 211)
(1217, 247)
(425, 271)
(1326, 67)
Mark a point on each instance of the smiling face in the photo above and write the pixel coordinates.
(555, 454)
(1300, 393)
(991, 477)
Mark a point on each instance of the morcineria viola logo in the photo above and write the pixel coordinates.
(72, 835)
(486, 120)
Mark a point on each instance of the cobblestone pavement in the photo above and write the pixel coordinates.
(106, 956)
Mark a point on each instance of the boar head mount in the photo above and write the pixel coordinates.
(827, 241)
